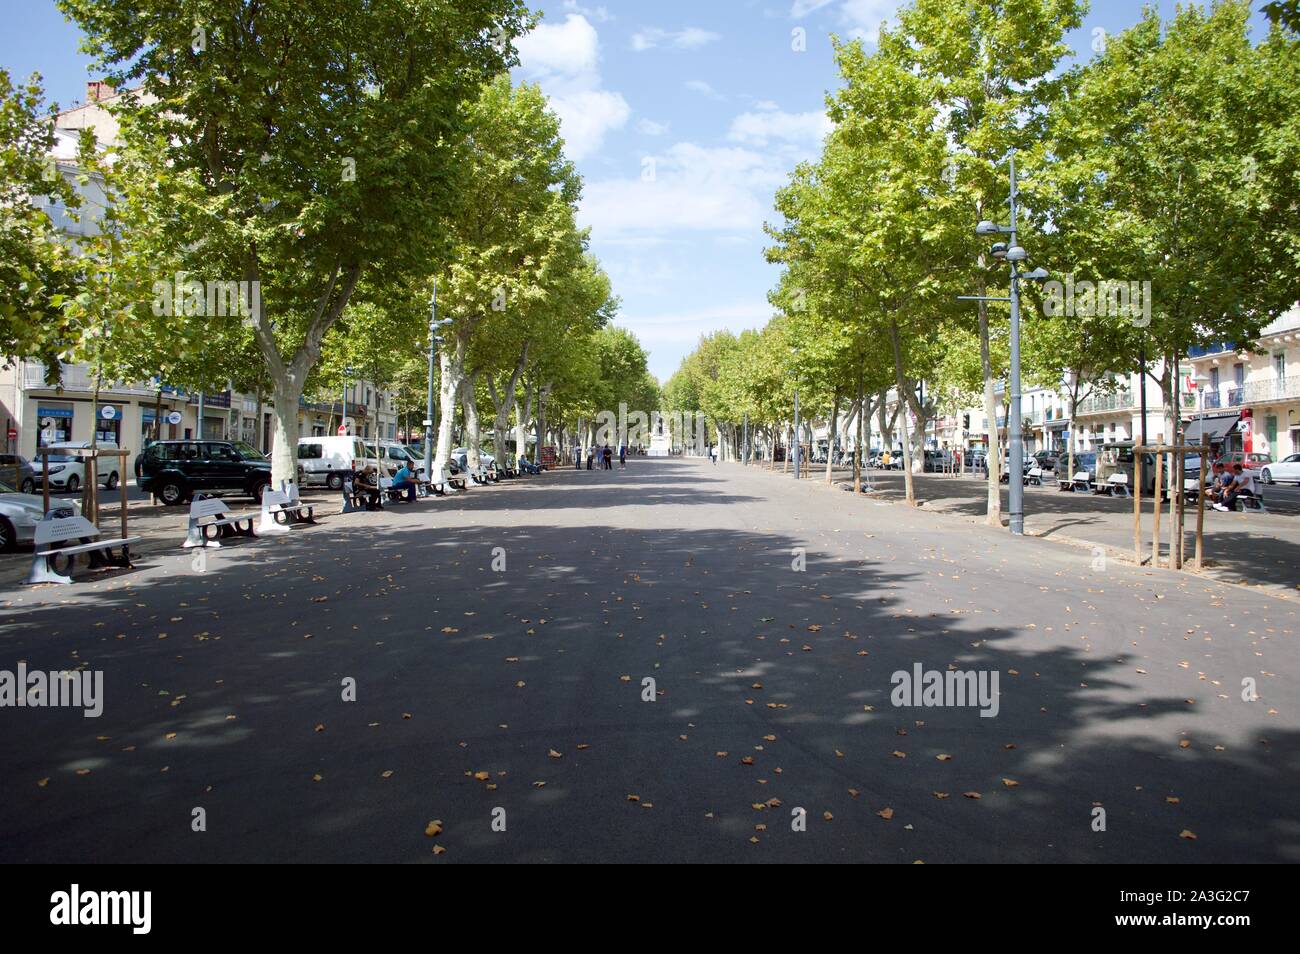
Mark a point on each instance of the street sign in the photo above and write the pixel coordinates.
(174, 417)
(343, 430)
(108, 412)
(13, 433)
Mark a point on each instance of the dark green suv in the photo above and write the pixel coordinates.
(173, 470)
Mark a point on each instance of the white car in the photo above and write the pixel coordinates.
(1286, 470)
(19, 514)
(68, 471)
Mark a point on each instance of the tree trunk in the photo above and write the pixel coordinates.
(993, 450)
(907, 436)
(832, 434)
(857, 444)
(451, 363)
(469, 403)
(523, 414)
(286, 391)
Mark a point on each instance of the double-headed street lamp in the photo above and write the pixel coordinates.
(1012, 252)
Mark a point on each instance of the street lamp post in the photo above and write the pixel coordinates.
(1013, 254)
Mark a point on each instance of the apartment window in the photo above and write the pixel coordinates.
(1279, 366)
(1214, 378)
(1239, 374)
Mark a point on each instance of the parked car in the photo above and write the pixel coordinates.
(460, 457)
(1252, 464)
(1118, 457)
(18, 472)
(1046, 460)
(322, 461)
(19, 514)
(173, 470)
(1286, 470)
(938, 461)
(1083, 461)
(68, 471)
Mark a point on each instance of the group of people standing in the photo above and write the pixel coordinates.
(602, 457)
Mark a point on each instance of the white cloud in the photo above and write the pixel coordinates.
(863, 18)
(599, 14)
(649, 127)
(686, 327)
(565, 49)
(802, 8)
(760, 128)
(564, 59)
(694, 189)
(703, 88)
(690, 38)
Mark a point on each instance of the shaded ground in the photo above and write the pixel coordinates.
(673, 570)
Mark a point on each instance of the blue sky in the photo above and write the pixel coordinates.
(683, 118)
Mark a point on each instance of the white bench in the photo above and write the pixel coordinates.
(1116, 485)
(1081, 482)
(281, 507)
(1034, 475)
(210, 515)
(63, 525)
(442, 481)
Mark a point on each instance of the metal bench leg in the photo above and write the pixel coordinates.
(43, 572)
(193, 536)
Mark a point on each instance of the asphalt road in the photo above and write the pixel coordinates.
(520, 690)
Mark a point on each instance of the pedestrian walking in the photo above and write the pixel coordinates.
(622, 457)
(590, 451)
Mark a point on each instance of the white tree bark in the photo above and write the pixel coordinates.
(451, 362)
(469, 401)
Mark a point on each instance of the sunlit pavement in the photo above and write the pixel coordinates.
(516, 696)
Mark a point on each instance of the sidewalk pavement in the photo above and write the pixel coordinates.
(1248, 549)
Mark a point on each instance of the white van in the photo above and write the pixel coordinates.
(325, 460)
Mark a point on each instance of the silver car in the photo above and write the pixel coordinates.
(19, 514)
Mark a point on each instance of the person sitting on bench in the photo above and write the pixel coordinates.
(1219, 481)
(405, 480)
(1241, 485)
(366, 487)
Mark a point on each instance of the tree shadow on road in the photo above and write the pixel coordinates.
(534, 673)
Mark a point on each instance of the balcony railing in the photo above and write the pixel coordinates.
(1253, 392)
(80, 377)
(1105, 403)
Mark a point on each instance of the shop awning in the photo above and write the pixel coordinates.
(1214, 428)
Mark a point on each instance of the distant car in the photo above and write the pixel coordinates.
(1252, 464)
(68, 471)
(938, 460)
(19, 514)
(460, 457)
(1287, 470)
(173, 470)
(1046, 460)
(18, 471)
